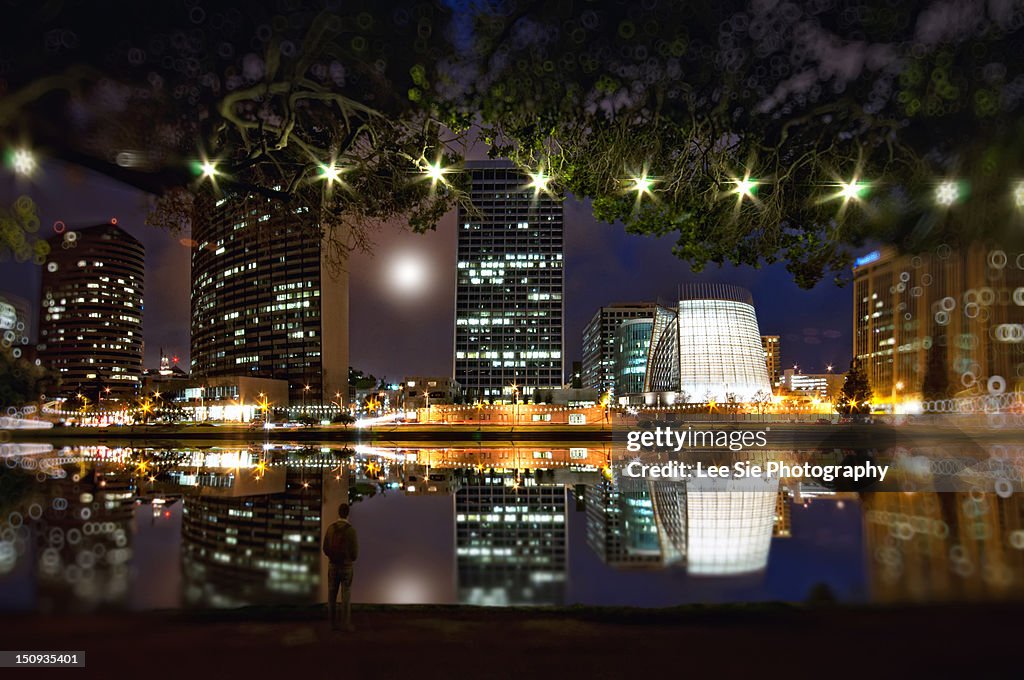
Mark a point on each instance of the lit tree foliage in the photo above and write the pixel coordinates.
(308, 106)
(772, 131)
(845, 114)
(855, 397)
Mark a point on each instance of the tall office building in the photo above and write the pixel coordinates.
(266, 302)
(508, 297)
(772, 358)
(960, 311)
(90, 327)
(15, 320)
(599, 342)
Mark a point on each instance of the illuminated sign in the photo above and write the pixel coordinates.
(867, 259)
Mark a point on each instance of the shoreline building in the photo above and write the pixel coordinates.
(827, 386)
(599, 369)
(15, 320)
(958, 313)
(266, 300)
(90, 326)
(707, 349)
(632, 346)
(772, 358)
(509, 286)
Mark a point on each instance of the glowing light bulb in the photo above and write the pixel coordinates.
(209, 169)
(745, 187)
(539, 181)
(23, 162)
(642, 184)
(331, 173)
(435, 172)
(947, 193)
(852, 190)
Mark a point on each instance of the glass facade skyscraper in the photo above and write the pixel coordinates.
(265, 302)
(508, 298)
(632, 345)
(599, 343)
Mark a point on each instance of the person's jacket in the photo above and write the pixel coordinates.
(341, 544)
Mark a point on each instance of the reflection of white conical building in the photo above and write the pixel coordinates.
(715, 527)
(729, 525)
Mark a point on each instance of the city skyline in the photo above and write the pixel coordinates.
(601, 261)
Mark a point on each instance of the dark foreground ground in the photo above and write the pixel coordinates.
(757, 641)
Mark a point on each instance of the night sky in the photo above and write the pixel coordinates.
(410, 332)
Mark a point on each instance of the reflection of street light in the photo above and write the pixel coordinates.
(515, 403)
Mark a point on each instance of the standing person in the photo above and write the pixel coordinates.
(341, 545)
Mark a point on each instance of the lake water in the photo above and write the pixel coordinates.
(89, 527)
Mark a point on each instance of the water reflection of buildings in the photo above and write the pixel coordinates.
(928, 546)
(621, 526)
(83, 539)
(710, 527)
(510, 539)
(255, 537)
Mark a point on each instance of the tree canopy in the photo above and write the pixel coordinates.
(773, 131)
